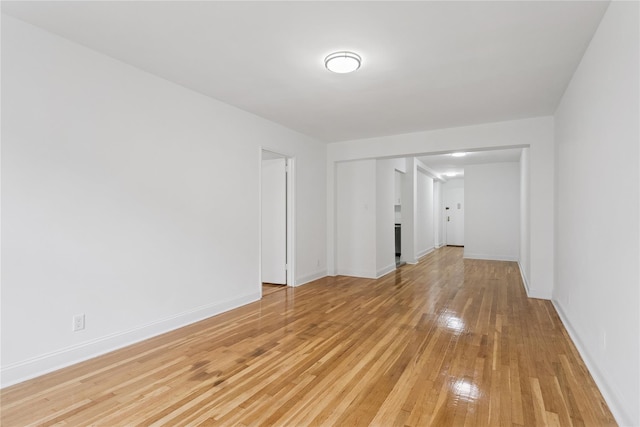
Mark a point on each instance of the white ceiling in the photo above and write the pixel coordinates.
(426, 64)
(446, 163)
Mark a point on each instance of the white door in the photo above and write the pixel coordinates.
(274, 221)
(454, 216)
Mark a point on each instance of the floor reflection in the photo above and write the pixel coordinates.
(451, 321)
(465, 390)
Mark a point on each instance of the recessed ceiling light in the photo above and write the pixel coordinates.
(450, 174)
(458, 154)
(342, 62)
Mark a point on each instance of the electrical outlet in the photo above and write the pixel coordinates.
(78, 322)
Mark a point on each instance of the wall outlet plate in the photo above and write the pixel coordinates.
(78, 322)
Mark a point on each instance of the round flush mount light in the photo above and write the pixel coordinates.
(458, 154)
(342, 62)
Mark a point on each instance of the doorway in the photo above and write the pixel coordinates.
(399, 185)
(276, 222)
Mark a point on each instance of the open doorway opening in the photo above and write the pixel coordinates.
(276, 222)
(399, 178)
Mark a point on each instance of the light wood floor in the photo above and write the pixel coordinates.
(447, 342)
(269, 288)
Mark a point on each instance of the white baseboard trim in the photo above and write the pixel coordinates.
(610, 395)
(356, 273)
(425, 252)
(34, 367)
(534, 293)
(386, 270)
(531, 292)
(468, 255)
(310, 277)
(524, 279)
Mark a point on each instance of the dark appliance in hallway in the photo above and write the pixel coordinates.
(398, 245)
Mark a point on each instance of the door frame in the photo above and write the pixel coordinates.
(290, 200)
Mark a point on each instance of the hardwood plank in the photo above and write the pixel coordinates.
(446, 342)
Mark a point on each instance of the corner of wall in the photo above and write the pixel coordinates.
(386, 270)
(525, 281)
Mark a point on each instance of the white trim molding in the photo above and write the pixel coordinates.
(531, 292)
(425, 252)
(385, 270)
(490, 257)
(27, 369)
(525, 281)
(310, 277)
(356, 273)
(610, 395)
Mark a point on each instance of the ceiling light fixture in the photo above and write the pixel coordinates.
(342, 62)
(458, 154)
(450, 174)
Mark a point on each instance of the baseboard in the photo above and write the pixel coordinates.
(532, 292)
(425, 252)
(608, 393)
(34, 367)
(525, 281)
(356, 273)
(489, 257)
(386, 270)
(310, 277)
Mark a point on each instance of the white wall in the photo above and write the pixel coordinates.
(525, 236)
(130, 199)
(366, 216)
(438, 224)
(409, 213)
(597, 231)
(356, 218)
(535, 133)
(385, 217)
(424, 215)
(492, 212)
